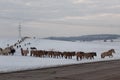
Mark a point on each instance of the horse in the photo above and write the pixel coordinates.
(80, 55)
(50, 54)
(6, 51)
(12, 50)
(40, 53)
(57, 54)
(90, 55)
(32, 52)
(24, 52)
(108, 53)
(33, 48)
(68, 55)
(93, 54)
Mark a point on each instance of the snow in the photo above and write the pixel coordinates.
(20, 63)
(5, 41)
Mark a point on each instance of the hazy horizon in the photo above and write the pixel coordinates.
(46, 18)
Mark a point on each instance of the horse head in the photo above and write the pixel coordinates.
(112, 50)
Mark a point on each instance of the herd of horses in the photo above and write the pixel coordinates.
(10, 50)
(56, 54)
(66, 55)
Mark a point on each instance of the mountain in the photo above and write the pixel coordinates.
(87, 37)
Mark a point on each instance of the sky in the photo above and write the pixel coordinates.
(45, 18)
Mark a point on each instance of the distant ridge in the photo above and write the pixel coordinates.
(87, 37)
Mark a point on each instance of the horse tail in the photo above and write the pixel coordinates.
(102, 56)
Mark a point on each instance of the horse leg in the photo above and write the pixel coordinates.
(30, 54)
(22, 54)
(111, 55)
(65, 57)
(25, 54)
(70, 57)
(77, 58)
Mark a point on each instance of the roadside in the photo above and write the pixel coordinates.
(107, 70)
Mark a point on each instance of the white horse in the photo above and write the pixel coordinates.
(5, 51)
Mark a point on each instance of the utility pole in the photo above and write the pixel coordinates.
(19, 30)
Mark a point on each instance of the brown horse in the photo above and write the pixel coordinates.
(80, 55)
(108, 53)
(90, 55)
(57, 54)
(68, 55)
(34, 53)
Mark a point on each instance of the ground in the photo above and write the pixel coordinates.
(104, 70)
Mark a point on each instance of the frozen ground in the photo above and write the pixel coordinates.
(18, 62)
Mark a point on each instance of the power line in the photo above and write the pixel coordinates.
(19, 30)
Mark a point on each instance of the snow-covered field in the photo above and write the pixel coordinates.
(18, 62)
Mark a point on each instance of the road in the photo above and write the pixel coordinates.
(108, 70)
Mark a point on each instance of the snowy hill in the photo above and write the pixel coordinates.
(87, 37)
(18, 62)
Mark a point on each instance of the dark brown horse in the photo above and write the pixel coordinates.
(108, 53)
(79, 55)
(90, 55)
(68, 55)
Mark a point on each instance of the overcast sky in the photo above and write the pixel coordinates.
(46, 18)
